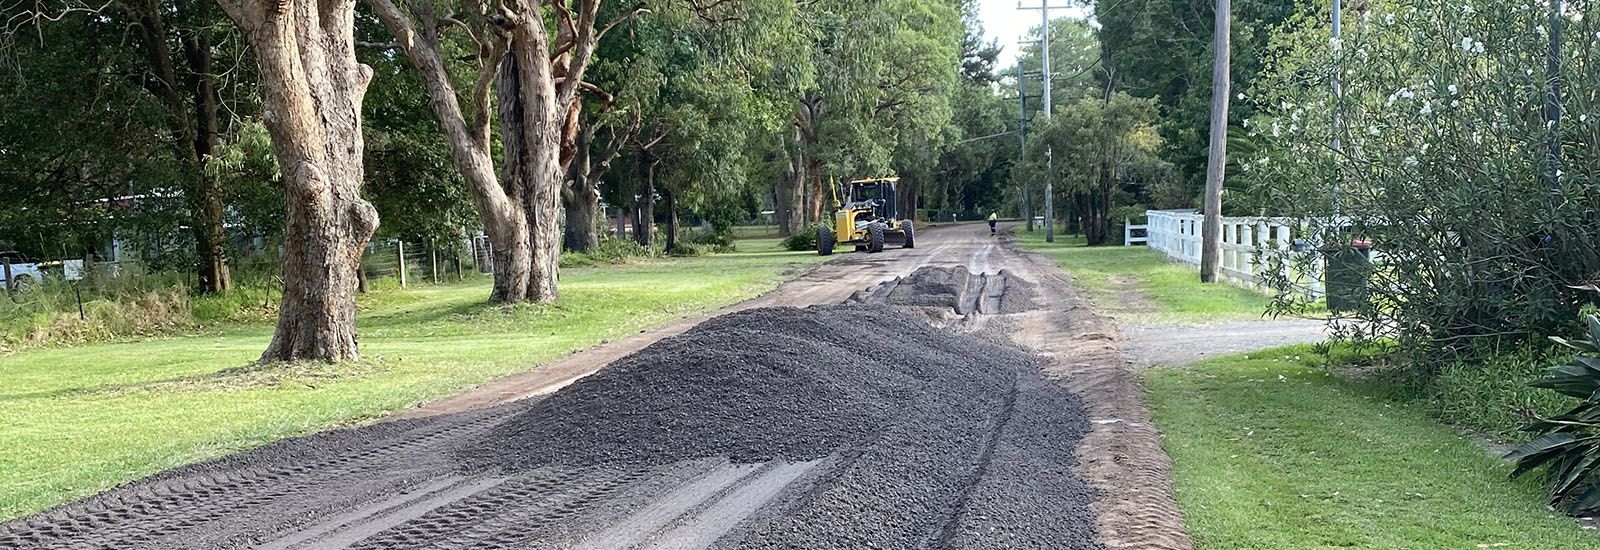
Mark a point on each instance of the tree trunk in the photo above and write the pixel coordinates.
(780, 204)
(644, 221)
(535, 93)
(1211, 227)
(212, 239)
(818, 190)
(311, 104)
(671, 200)
(531, 131)
(580, 234)
(580, 199)
(194, 133)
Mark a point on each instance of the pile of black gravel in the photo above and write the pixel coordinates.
(763, 384)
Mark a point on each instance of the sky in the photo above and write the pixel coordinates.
(1004, 22)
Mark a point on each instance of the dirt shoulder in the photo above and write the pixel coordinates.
(1121, 456)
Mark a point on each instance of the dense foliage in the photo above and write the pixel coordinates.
(1480, 202)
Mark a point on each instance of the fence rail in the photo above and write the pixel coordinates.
(1245, 240)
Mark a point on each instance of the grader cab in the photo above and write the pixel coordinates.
(868, 218)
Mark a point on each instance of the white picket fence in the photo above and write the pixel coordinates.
(1176, 233)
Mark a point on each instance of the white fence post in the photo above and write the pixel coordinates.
(1176, 233)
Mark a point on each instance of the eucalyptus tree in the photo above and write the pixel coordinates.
(312, 89)
(530, 66)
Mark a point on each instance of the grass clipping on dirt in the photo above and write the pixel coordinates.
(764, 384)
(1271, 452)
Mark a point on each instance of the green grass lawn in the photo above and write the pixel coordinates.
(1138, 284)
(77, 420)
(1271, 452)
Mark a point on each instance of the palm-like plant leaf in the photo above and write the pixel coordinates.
(1568, 445)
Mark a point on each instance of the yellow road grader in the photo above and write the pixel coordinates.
(869, 218)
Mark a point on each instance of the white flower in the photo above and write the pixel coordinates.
(1373, 130)
(1477, 48)
(1388, 19)
(1454, 90)
(1262, 161)
(1467, 9)
(1583, 118)
(1408, 94)
(1454, 103)
(1427, 109)
(1425, 148)
(1541, 30)
(1466, 43)
(1336, 44)
(1275, 129)
(1241, 96)
(1410, 161)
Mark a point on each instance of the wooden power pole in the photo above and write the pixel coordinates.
(1211, 229)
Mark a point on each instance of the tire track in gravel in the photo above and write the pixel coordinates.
(170, 507)
(939, 439)
(957, 509)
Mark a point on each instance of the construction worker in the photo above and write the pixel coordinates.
(994, 217)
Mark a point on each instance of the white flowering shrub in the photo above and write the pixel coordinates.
(1439, 153)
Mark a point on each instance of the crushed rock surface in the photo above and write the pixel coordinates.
(923, 437)
(757, 385)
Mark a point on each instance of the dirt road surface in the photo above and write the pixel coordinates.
(1009, 420)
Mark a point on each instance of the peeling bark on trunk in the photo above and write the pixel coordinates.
(312, 92)
(530, 124)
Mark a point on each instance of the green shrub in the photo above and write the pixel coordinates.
(805, 239)
(1567, 446)
(1490, 394)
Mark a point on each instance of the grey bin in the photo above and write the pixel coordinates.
(1349, 266)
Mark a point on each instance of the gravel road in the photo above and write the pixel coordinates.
(852, 425)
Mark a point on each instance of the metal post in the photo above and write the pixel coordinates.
(400, 254)
(1552, 104)
(1022, 142)
(1044, 51)
(1338, 96)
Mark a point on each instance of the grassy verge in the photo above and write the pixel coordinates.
(1270, 451)
(1138, 284)
(77, 420)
